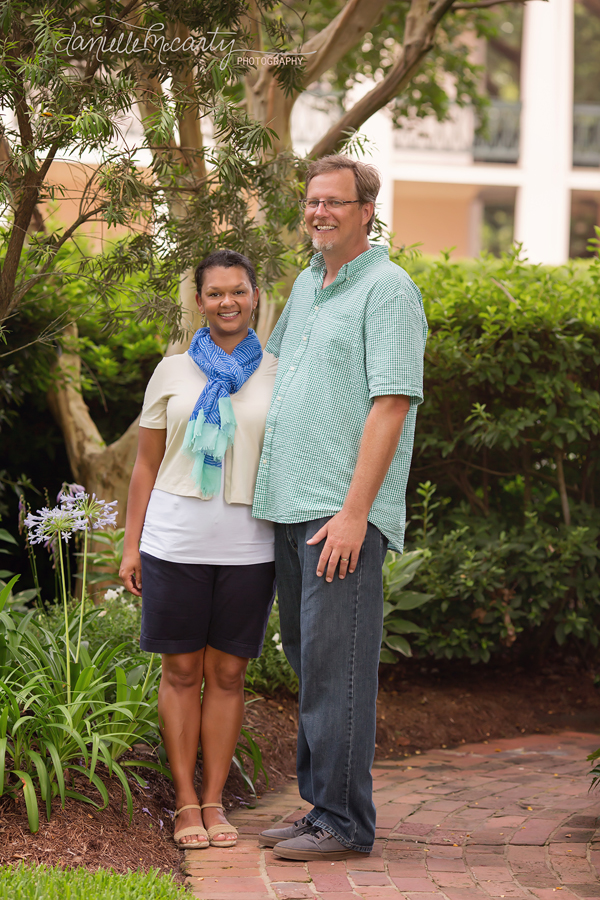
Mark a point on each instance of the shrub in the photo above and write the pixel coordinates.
(510, 434)
(512, 385)
(495, 588)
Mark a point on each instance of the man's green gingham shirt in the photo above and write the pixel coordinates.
(361, 337)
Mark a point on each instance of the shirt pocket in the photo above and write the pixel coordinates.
(338, 339)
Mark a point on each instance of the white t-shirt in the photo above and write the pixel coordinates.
(181, 526)
(189, 530)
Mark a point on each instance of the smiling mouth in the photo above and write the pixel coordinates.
(229, 315)
(324, 228)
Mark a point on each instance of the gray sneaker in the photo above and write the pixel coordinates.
(317, 844)
(273, 836)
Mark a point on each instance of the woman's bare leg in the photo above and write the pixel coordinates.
(222, 715)
(179, 713)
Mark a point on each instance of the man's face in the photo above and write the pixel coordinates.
(335, 229)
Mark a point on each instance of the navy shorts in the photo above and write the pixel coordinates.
(186, 606)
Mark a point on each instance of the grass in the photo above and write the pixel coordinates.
(53, 883)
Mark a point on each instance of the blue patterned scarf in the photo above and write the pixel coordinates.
(211, 427)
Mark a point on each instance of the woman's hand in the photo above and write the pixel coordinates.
(130, 572)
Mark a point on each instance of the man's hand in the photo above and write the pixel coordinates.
(344, 535)
(130, 573)
(345, 532)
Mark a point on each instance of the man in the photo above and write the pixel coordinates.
(332, 476)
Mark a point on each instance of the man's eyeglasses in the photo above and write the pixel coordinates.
(327, 204)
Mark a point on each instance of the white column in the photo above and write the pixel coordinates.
(543, 202)
(379, 130)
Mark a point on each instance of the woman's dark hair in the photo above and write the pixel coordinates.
(227, 259)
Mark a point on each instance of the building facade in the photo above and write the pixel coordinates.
(534, 177)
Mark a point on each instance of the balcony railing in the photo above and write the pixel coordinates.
(500, 143)
(457, 134)
(586, 134)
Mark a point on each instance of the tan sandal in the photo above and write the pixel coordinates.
(221, 828)
(203, 839)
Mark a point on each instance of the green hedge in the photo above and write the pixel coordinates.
(509, 433)
(512, 383)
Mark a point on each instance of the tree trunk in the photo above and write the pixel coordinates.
(101, 469)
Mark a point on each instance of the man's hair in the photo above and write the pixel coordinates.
(227, 259)
(366, 177)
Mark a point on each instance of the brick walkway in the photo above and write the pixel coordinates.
(510, 819)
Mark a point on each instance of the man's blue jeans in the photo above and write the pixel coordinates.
(331, 634)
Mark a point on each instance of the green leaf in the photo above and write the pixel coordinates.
(396, 642)
(75, 795)
(6, 591)
(33, 816)
(126, 789)
(411, 600)
(402, 626)
(386, 656)
(96, 781)
(148, 765)
(58, 769)
(3, 747)
(7, 536)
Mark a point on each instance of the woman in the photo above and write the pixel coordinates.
(204, 567)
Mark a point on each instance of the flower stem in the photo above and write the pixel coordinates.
(66, 609)
(85, 554)
(148, 674)
(34, 572)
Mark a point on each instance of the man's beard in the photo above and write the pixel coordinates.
(321, 243)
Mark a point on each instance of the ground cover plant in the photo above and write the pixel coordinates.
(28, 883)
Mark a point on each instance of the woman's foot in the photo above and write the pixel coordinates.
(213, 816)
(188, 819)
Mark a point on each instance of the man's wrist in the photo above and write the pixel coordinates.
(356, 510)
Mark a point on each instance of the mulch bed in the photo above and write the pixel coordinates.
(419, 707)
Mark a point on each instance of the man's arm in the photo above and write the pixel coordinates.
(345, 532)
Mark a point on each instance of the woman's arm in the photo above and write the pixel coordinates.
(151, 449)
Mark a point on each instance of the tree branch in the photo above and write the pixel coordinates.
(339, 36)
(483, 4)
(84, 217)
(418, 41)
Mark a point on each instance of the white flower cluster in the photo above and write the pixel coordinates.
(118, 594)
(277, 641)
(114, 594)
(78, 511)
(50, 523)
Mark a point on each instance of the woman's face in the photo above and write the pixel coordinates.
(227, 300)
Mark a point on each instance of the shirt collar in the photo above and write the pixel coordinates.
(375, 253)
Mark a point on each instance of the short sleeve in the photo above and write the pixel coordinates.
(274, 342)
(154, 410)
(395, 335)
